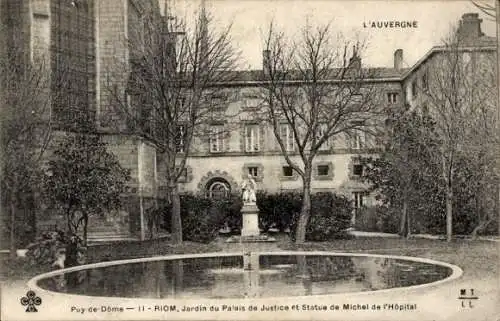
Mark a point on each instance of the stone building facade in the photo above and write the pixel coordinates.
(81, 42)
(94, 39)
(249, 146)
(219, 165)
(469, 45)
(120, 28)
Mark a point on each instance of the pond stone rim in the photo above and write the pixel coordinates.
(456, 272)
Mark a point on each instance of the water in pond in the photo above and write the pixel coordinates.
(239, 277)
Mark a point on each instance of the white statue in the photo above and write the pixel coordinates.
(249, 187)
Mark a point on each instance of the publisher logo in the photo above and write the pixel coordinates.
(467, 297)
(31, 300)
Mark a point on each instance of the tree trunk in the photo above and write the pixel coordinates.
(305, 212)
(448, 176)
(404, 216)
(176, 222)
(449, 211)
(482, 216)
(497, 198)
(13, 246)
(85, 225)
(497, 15)
(408, 222)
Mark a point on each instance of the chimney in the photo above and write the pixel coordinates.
(266, 54)
(355, 60)
(469, 29)
(398, 59)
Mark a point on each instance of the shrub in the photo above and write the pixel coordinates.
(377, 219)
(56, 249)
(203, 217)
(232, 208)
(330, 217)
(277, 210)
(330, 214)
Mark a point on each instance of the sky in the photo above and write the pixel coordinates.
(250, 19)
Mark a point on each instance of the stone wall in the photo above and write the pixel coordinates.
(111, 61)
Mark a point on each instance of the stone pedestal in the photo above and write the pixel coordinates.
(250, 213)
(250, 231)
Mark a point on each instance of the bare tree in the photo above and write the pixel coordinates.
(493, 12)
(486, 7)
(313, 93)
(173, 92)
(461, 95)
(26, 125)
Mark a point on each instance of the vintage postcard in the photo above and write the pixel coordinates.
(249, 160)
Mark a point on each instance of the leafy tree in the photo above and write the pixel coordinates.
(25, 124)
(408, 177)
(461, 99)
(83, 179)
(403, 177)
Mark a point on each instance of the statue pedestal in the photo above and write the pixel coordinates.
(250, 231)
(250, 213)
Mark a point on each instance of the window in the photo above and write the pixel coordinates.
(358, 202)
(466, 58)
(253, 170)
(414, 90)
(218, 190)
(180, 138)
(357, 170)
(286, 135)
(358, 139)
(252, 138)
(322, 131)
(216, 138)
(145, 119)
(359, 199)
(287, 171)
(323, 170)
(392, 98)
(356, 98)
(216, 100)
(425, 109)
(252, 102)
(425, 84)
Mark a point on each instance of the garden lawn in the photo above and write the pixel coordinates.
(20, 270)
(478, 259)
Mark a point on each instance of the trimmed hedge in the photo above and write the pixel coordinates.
(330, 214)
(202, 217)
(330, 217)
(278, 210)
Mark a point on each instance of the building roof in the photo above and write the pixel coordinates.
(482, 43)
(469, 33)
(255, 76)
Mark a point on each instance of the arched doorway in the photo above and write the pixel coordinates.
(218, 188)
